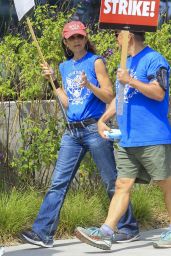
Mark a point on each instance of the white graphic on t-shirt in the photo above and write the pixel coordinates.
(76, 93)
(129, 91)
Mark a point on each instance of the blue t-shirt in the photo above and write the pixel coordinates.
(144, 121)
(83, 104)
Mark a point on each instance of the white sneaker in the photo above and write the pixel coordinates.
(2, 251)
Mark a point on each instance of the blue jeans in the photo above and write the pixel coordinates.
(73, 149)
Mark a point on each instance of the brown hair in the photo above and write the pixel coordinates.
(139, 36)
(69, 54)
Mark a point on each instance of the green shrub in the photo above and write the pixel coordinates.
(83, 208)
(141, 204)
(146, 206)
(17, 211)
(21, 78)
(89, 207)
(20, 73)
(39, 146)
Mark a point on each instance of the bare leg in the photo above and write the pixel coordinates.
(118, 206)
(119, 202)
(165, 185)
(165, 238)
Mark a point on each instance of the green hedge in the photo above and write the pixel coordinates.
(20, 73)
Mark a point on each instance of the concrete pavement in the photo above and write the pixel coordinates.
(73, 247)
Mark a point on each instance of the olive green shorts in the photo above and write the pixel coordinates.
(144, 163)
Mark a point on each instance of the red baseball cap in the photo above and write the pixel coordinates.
(72, 28)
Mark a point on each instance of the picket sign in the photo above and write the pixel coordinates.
(135, 15)
(22, 8)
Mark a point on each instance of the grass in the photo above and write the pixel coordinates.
(17, 211)
(142, 204)
(81, 208)
(148, 206)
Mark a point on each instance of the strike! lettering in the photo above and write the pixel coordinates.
(130, 7)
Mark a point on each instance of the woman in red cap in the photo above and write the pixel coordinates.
(86, 89)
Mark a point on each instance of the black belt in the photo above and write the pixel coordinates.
(81, 124)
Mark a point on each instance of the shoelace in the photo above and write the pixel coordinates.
(94, 231)
(97, 232)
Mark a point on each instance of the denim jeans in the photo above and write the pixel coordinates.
(72, 150)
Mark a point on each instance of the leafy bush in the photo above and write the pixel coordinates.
(21, 79)
(161, 40)
(20, 73)
(40, 144)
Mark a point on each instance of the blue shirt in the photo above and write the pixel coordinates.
(144, 121)
(83, 104)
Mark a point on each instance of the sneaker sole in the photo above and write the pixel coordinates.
(86, 239)
(29, 240)
(161, 246)
(135, 238)
(2, 251)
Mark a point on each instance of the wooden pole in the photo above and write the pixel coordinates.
(124, 51)
(39, 51)
(43, 60)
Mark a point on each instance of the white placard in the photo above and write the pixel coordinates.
(23, 6)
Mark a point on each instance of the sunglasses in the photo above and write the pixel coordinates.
(117, 34)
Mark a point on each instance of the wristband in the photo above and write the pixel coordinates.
(55, 83)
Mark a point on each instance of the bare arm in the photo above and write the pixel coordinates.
(105, 92)
(110, 112)
(153, 90)
(63, 97)
(47, 72)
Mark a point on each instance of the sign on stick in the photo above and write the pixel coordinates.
(137, 15)
(23, 7)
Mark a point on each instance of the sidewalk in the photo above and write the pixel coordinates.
(73, 247)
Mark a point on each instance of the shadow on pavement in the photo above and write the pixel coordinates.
(33, 252)
(151, 235)
(66, 244)
(121, 249)
(38, 251)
